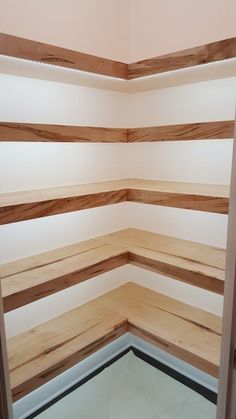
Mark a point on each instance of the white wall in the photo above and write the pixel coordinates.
(25, 166)
(90, 26)
(162, 26)
(31, 100)
(191, 161)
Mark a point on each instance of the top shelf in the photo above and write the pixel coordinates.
(192, 57)
(17, 47)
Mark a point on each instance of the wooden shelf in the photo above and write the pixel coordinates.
(204, 54)
(36, 277)
(27, 132)
(200, 197)
(217, 130)
(38, 355)
(20, 131)
(194, 263)
(14, 46)
(26, 205)
(185, 331)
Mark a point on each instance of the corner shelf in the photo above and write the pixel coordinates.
(26, 205)
(40, 354)
(194, 335)
(28, 132)
(36, 277)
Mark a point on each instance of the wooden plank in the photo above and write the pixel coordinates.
(30, 279)
(210, 198)
(210, 256)
(208, 366)
(20, 131)
(43, 352)
(32, 285)
(185, 188)
(27, 132)
(5, 390)
(26, 205)
(24, 212)
(194, 263)
(187, 332)
(226, 408)
(218, 205)
(172, 267)
(216, 130)
(204, 54)
(36, 277)
(15, 46)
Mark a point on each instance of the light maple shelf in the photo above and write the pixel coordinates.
(26, 205)
(28, 132)
(38, 355)
(36, 277)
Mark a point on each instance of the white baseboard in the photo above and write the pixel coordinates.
(176, 364)
(44, 394)
(47, 392)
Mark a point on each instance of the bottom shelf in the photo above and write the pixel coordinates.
(38, 355)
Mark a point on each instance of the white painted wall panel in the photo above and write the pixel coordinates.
(198, 226)
(98, 28)
(26, 238)
(162, 26)
(41, 165)
(34, 100)
(44, 165)
(206, 101)
(182, 161)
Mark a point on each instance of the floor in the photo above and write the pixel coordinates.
(131, 388)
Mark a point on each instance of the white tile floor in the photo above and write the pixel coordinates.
(131, 389)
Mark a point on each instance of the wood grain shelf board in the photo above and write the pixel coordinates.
(39, 354)
(26, 205)
(14, 46)
(42, 280)
(36, 277)
(42, 353)
(193, 263)
(204, 54)
(27, 132)
(187, 332)
(194, 196)
(216, 130)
